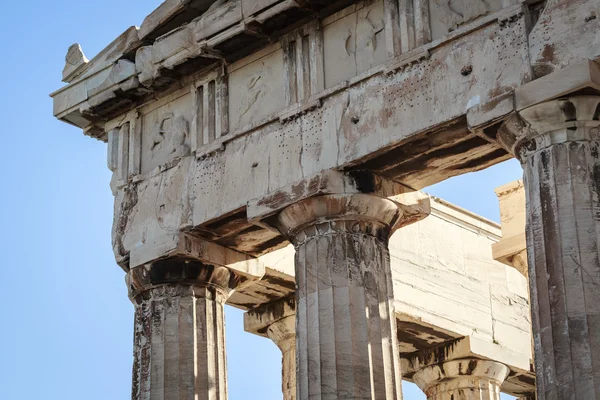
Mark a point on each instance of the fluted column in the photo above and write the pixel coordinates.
(179, 334)
(346, 328)
(558, 143)
(467, 379)
(283, 333)
(277, 321)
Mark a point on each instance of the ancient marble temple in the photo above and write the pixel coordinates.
(269, 155)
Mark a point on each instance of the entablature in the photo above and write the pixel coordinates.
(137, 66)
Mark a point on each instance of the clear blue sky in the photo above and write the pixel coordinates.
(66, 327)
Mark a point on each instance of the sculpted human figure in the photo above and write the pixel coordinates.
(169, 138)
(470, 10)
(473, 9)
(178, 136)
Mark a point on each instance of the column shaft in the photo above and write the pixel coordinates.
(179, 345)
(563, 236)
(179, 332)
(346, 341)
(283, 333)
(558, 144)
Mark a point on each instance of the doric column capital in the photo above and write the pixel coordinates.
(210, 281)
(359, 213)
(339, 200)
(340, 223)
(519, 261)
(564, 114)
(193, 262)
(275, 320)
(572, 118)
(474, 375)
(469, 356)
(283, 332)
(557, 108)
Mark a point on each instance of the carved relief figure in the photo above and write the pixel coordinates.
(449, 17)
(457, 12)
(255, 89)
(367, 29)
(169, 138)
(473, 9)
(179, 135)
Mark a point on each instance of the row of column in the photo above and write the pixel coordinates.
(338, 343)
(460, 379)
(345, 338)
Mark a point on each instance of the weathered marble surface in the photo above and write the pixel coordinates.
(447, 292)
(562, 179)
(179, 334)
(362, 29)
(75, 61)
(448, 286)
(466, 379)
(283, 333)
(511, 249)
(277, 321)
(557, 142)
(345, 320)
(219, 113)
(566, 32)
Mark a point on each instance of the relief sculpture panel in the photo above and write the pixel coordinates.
(354, 43)
(256, 90)
(166, 133)
(448, 15)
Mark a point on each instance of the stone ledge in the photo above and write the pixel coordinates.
(583, 75)
(336, 182)
(258, 320)
(190, 247)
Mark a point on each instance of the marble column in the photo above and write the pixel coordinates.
(467, 379)
(277, 321)
(179, 334)
(558, 143)
(346, 328)
(283, 333)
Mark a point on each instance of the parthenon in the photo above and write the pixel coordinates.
(271, 155)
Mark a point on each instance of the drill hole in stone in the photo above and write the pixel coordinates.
(590, 17)
(355, 120)
(466, 71)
